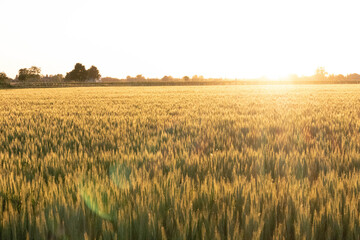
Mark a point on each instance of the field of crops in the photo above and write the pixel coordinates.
(194, 162)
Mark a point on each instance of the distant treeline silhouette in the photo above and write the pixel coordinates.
(320, 76)
(33, 74)
(92, 75)
(141, 78)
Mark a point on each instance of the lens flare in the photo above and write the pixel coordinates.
(96, 194)
(96, 198)
(120, 175)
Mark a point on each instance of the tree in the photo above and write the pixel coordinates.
(34, 71)
(353, 77)
(57, 78)
(186, 78)
(167, 78)
(320, 74)
(79, 73)
(197, 78)
(93, 73)
(4, 80)
(140, 78)
(32, 74)
(331, 77)
(53, 78)
(3, 77)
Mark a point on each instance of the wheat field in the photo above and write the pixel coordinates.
(194, 162)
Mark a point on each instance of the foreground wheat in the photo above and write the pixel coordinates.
(224, 162)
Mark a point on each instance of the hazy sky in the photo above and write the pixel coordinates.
(223, 38)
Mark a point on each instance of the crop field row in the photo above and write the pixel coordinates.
(180, 162)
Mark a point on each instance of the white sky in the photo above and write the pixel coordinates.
(235, 39)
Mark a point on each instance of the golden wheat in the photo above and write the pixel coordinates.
(224, 162)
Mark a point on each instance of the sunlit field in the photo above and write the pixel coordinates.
(195, 162)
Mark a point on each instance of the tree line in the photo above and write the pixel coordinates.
(320, 76)
(81, 74)
(166, 78)
(33, 74)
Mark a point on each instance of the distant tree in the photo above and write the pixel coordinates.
(3, 77)
(353, 77)
(320, 74)
(140, 77)
(167, 78)
(53, 78)
(93, 73)
(79, 73)
(57, 78)
(35, 70)
(29, 74)
(4, 80)
(339, 78)
(331, 77)
(186, 78)
(197, 78)
(23, 73)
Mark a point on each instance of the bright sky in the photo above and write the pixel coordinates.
(223, 38)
